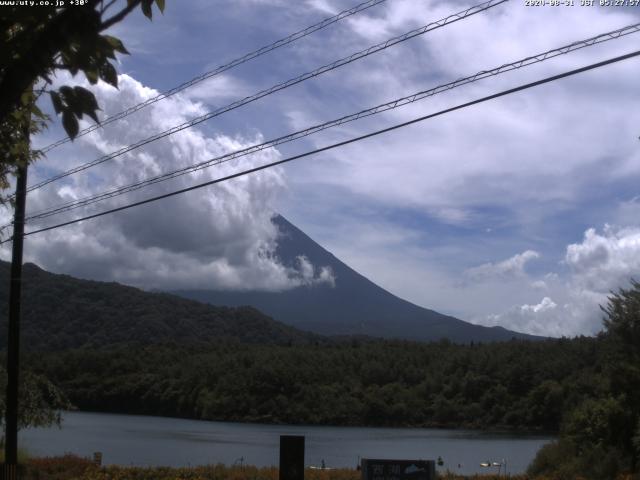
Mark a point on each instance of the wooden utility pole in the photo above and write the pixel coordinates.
(13, 337)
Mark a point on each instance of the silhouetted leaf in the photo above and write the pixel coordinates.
(86, 98)
(108, 74)
(67, 93)
(92, 76)
(160, 4)
(146, 8)
(70, 123)
(57, 101)
(116, 44)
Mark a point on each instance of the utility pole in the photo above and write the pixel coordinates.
(13, 337)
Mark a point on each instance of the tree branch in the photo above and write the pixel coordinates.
(120, 15)
(104, 8)
(39, 55)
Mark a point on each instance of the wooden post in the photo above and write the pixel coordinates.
(291, 457)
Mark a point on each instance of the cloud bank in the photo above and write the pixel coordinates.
(599, 264)
(219, 237)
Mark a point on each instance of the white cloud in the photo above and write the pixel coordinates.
(578, 315)
(219, 237)
(217, 88)
(601, 263)
(544, 306)
(604, 261)
(539, 319)
(509, 268)
(484, 154)
(309, 275)
(539, 285)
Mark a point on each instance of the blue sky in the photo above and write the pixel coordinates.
(521, 212)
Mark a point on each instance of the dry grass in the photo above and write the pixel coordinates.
(71, 467)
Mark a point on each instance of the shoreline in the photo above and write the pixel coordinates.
(495, 430)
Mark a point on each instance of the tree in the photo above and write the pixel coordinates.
(40, 401)
(622, 340)
(600, 437)
(38, 41)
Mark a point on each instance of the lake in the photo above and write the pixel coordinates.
(151, 441)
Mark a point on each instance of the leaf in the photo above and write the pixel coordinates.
(57, 101)
(70, 123)
(37, 113)
(93, 116)
(92, 75)
(108, 74)
(116, 44)
(146, 8)
(86, 98)
(87, 102)
(26, 97)
(160, 4)
(67, 93)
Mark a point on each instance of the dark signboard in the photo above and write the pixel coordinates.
(398, 469)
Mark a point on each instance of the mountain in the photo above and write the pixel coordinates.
(354, 305)
(61, 312)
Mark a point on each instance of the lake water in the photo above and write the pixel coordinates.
(150, 441)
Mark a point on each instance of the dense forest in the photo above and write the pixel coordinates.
(516, 384)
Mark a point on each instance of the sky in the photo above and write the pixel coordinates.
(523, 211)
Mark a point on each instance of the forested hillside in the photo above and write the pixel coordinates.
(514, 385)
(61, 312)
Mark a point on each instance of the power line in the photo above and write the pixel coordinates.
(280, 86)
(340, 144)
(340, 121)
(222, 68)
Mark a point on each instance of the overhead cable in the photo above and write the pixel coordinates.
(222, 68)
(339, 144)
(280, 86)
(531, 60)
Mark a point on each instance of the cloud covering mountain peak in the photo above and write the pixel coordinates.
(218, 237)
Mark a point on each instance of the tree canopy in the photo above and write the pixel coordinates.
(38, 41)
(600, 435)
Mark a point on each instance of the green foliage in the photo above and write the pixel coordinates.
(62, 312)
(600, 435)
(596, 422)
(565, 459)
(376, 383)
(39, 41)
(40, 401)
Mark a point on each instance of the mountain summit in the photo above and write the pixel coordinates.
(351, 305)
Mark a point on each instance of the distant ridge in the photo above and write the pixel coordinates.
(354, 306)
(61, 312)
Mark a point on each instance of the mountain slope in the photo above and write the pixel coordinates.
(60, 312)
(355, 305)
